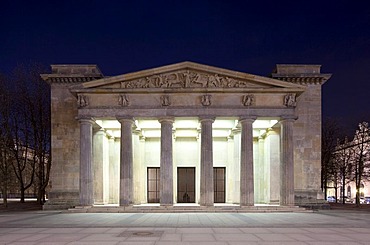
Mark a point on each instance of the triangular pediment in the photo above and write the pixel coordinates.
(188, 75)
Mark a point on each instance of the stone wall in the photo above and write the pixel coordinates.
(65, 152)
(307, 141)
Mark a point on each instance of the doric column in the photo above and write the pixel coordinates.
(166, 166)
(286, 163)
(260, 174)
(98, 166)
(206, 163)
(86, 174)
(235, 166)
(246, 162)
(113, 172)
(126, 171)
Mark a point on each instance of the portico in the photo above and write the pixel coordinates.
(185, 140)
(183, 133)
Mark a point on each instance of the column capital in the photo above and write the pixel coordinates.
(205, 119)
(166, 120)
(86, 120)
(288, 118)
(125, 119)
(250, 119)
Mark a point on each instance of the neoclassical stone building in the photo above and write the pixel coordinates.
(185, 133)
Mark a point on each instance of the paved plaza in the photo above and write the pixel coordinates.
(51, 227)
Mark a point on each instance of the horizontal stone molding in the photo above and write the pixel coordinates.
(318, 80)
(288, 117)
(69, 79)
(186, 112)
(78, 89)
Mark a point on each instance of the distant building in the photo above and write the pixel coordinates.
(347, 152)
(185, 133)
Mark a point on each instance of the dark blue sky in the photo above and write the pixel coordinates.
(250, 36)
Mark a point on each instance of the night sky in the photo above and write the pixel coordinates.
(249, 36)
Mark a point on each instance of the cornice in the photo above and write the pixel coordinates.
(68, 79)
(303, 79)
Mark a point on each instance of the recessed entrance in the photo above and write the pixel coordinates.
(219, 184)
(186, 185)
(153, 176)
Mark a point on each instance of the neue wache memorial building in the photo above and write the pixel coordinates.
(185, 134)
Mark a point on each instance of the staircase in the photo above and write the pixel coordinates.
(224, 208)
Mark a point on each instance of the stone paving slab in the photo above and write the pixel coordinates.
(318, 228)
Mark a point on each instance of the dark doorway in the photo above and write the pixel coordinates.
(219, 184)
(153, 185)
(186, 185)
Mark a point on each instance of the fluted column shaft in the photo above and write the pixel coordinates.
(166, 165)
(86, 174)
(287, 163)
(206, 163)
(98, 166)
(246, 163)
(126, 163)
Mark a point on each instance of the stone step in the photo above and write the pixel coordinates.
(187, 209)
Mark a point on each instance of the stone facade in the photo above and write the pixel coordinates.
(240, 138)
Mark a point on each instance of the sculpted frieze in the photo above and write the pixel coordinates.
(206, 100)
(248, 99)
(82, 100)
(187, 79)
(290, 100)
(123, 100)
(165, 100)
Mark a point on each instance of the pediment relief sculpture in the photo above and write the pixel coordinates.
(189, 79)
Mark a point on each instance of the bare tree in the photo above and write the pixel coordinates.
(5, 141)
(31, 130)
(361, 157)
(342, 165)
(21, 152)
(330, 134)
(38, 105)
(25, 131)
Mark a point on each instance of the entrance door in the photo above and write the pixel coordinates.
(153, 185)
(219, 184)
(186, 185)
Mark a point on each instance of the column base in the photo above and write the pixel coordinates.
(166, 204)
(207, 205)
(246, 205)
(125, 205)
(58, 200)
(308, 197)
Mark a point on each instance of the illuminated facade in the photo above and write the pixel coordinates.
(185, 133)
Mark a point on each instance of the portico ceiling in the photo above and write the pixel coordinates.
(186, 127)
